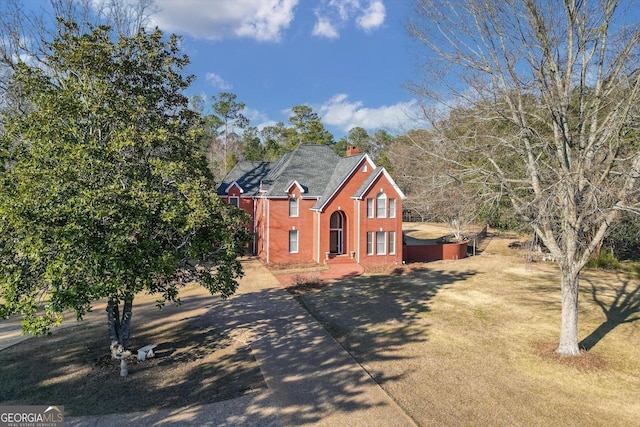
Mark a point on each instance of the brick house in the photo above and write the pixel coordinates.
(313, 205)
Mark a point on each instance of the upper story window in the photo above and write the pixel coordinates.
(381, 205)
(293, 206)
(370, 208)
(392, 208)
(234, 200)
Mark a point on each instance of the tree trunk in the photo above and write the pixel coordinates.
(569, 319)
(119, 328)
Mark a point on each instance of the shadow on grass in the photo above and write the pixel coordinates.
(194, 364)
(624, 308)
(375, 316)
(210, 349)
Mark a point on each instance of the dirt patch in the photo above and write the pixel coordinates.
(585, 362)
(286, 267)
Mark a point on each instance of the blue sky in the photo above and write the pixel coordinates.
(347, 59)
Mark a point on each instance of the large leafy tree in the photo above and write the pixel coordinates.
(550, 93)
(105, 193)
(307, 128)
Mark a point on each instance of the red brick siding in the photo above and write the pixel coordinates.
(245, 203)
(280, 223)
(381, 224)
(354, 234)
(272, 223)
(422, 253)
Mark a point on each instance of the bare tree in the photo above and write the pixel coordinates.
(549, 93)
(433, 188)
(25, 28)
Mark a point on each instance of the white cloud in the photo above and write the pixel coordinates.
(334, 14)
(344, 114)
(256, 116)
(324, 28)
(372, 17)
(217, 81)
(262, 20)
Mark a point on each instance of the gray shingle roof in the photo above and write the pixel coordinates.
(317, 168)
(248, 176)
(343, 167)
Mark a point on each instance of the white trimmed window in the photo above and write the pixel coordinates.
(370, 249)
(293, 206)
(392, 208)
(381, 243)
(234, 200)
(370, 208)
(392, 243)
(293, 241)
(381, 205)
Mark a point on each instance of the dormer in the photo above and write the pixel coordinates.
(234, 188)
(295, 185)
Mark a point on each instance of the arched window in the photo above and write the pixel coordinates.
(336, 233)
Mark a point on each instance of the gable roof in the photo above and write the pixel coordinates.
(342, 171)
(312, 166)
(366, 185)
(246, 175)
(316, 169)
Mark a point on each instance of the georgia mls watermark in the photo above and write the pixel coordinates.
(31, 416)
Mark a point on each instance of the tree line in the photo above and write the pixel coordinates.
(437, 190)
(228, 136)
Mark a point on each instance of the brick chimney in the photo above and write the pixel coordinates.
(352, 150)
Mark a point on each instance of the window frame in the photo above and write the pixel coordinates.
(294, 241)
(381, 238)
(294, 204)
(370, 245)
(237, 201)
(391, 242)
(392, 207)
(371, 208)
(381, 205)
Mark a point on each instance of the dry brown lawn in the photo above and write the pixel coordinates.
(471, 342)
(467, 342)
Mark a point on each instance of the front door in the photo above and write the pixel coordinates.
(336, 233)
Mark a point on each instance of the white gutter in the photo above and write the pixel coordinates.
(268, 227)
(318, 246)
(255, 227)
(359, 233)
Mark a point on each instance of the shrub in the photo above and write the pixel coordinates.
(605, 260)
